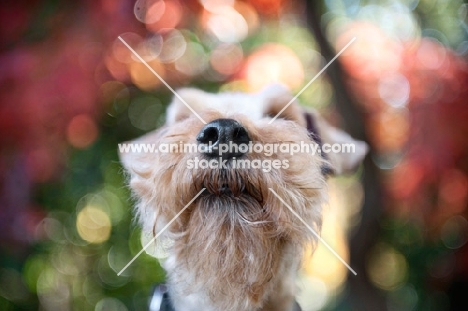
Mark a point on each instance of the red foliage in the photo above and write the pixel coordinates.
(430, 129)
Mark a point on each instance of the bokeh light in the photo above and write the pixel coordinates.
(144, 112)
(273, 63)
(193, 61)
(174, 46)
(453, 190)
(110, 304)
(454, 233)
(321, 294)
(394, 89)
(82, 131)
(226, 58)
(372, 54)
(149, 11)
(164, 15)
(402, 298)
(158, 248)
(93, 224)
(226, 24)
(387, 268)
(144, 78)
(121, 52)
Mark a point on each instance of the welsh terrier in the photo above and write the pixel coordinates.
(237, 246)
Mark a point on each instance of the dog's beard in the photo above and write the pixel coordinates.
(232, 244)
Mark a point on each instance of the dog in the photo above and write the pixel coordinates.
(237, 246)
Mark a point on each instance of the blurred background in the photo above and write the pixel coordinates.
(70, 91)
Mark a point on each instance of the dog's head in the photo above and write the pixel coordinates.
(236, 230)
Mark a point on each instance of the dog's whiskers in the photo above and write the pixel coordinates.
(253, 223)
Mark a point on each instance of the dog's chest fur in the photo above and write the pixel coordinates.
(279, 292)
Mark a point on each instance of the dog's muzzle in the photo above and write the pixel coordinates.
(223, 132)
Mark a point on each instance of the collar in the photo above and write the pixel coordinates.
(160, 301)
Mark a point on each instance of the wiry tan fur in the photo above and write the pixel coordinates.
(238, 251)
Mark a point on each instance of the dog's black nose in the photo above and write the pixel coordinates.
(224, 137)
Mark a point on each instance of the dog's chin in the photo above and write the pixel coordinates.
(232, 244)
(239, 209)
(235, 184)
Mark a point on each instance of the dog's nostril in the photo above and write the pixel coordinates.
(223, 132)
(208, 135)
(240, 135)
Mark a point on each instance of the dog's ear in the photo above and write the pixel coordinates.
(277, 96)
(351, 151)
(178, 111)
(137, 157)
